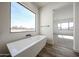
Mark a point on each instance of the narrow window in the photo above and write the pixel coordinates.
(60, 36)
(65, 37)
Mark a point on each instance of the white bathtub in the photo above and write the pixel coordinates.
(29, 47)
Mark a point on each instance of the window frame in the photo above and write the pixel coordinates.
(25, 8)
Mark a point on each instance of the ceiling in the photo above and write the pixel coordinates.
(54, 4)
(40, 4)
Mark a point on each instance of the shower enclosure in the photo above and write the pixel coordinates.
(63, 26)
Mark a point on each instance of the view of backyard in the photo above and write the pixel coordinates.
(22, 19)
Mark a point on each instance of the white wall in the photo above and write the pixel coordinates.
(46, 18)
(76, 32)
(5, 22)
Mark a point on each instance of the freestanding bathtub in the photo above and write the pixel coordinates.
(29, 47)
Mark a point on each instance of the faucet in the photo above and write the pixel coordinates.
(28, 35)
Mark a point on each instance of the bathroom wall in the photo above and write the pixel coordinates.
(45, 21)
(76, 29)
(5, 21)
(46, 18)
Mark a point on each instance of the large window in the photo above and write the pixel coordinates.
(22, 19)
(66, 26)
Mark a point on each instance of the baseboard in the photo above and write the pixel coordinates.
(50, 42)
(4, 55)
(76, 50)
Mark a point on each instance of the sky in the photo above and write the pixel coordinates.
(20, 16)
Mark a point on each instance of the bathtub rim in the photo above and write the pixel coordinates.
(28, 46)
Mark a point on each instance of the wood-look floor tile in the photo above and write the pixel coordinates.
(57, 51)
